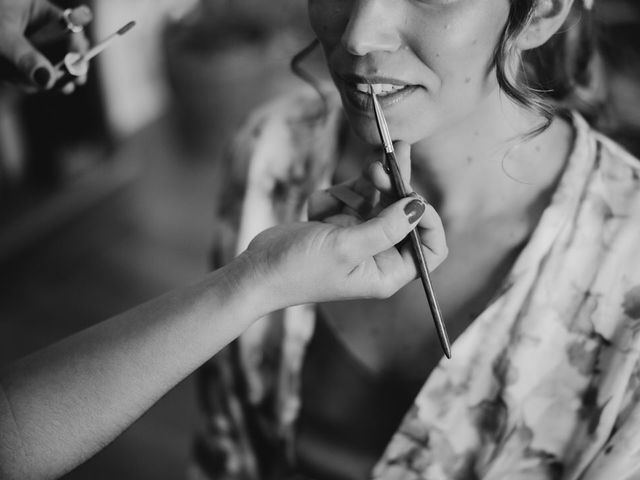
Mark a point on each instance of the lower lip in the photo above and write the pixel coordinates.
(362, 101)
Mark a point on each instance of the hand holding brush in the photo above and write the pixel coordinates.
(392, 168)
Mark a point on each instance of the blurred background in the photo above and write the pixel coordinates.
(107, 196)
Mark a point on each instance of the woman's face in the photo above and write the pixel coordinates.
(429, 59)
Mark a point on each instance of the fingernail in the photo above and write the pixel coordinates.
(41, 76)
(414, 210)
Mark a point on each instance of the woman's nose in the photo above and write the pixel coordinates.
(371, 28)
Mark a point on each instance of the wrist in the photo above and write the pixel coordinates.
(250, 286)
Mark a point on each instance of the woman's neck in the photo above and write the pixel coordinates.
(481, 167)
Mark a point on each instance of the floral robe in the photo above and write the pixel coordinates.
(544, 384)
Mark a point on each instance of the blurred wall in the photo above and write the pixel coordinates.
(132, 70)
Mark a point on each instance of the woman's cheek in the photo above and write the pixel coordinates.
(458, 48)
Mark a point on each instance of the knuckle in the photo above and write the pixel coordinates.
(437, 257)
(388, 233)
(440, 251)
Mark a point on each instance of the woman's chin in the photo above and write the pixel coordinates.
(366, 129)
(367, 132)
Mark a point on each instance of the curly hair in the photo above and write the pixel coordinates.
(562, 73)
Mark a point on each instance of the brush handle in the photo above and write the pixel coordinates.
(421, 263)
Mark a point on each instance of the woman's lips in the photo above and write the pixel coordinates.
(358, 97)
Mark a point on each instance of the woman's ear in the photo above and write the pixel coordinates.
(548, 16)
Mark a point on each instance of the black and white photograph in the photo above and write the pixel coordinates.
(319, 239)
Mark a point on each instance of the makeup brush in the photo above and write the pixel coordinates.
(391, 166)
(75, 64)
(107, 41)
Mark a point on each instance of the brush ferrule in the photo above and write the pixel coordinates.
(383, 128)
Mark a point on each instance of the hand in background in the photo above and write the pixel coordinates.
(28, 28)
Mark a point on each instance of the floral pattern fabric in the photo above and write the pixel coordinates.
(544, 384)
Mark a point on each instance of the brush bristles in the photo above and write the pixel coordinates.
(126, 28)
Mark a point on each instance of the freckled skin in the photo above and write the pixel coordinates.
(444, 45)
(456, 110)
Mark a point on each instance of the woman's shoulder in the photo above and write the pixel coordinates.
(617, 170)
(607, 147)
(293, 137)
(299, 111)
(615, 158)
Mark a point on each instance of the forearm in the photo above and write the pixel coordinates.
(67, 401)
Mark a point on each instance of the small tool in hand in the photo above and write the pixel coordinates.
(391, 166)
(76, 64)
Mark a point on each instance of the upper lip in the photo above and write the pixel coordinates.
(354, 79)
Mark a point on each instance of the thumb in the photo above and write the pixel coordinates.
(32, 65)
(385, 230)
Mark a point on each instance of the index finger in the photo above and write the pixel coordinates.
(382, 179)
